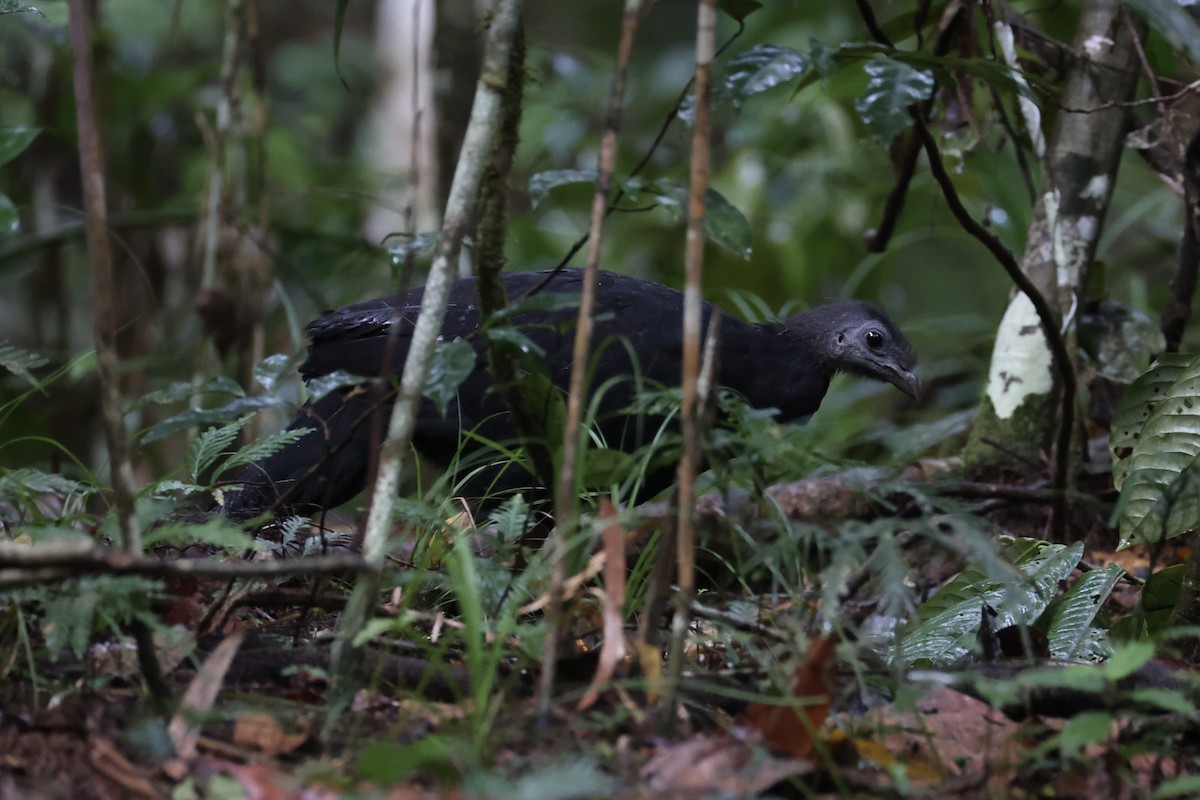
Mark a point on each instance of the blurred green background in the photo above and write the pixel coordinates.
(800, 166)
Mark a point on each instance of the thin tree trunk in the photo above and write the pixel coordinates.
(1019, 418)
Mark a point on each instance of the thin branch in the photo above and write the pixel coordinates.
(24, 565)
(672, 115)
(1178, 310)
(460, 207)
(564, 502)
(910, 150)
(103, 280)
(685, 541)
(1047, 317)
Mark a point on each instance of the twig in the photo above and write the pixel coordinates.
(1054, 338)
(459, 210)
(672, 115)
(62, 561)
(564, 502)
(1047, 317)
(685, 542)
(1178, 310)
(103, 281)
(908, 157)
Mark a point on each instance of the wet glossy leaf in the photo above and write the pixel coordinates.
(541, 183)
(13, 141)
(10, 217)
(1160, 474)
(760, 68)
(451, 364)
(203, 417)
(892, 88)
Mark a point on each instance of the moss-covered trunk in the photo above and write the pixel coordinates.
(1019, 411)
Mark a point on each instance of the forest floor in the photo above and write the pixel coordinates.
(825, 717)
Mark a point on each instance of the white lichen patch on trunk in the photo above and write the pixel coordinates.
(1021, 361)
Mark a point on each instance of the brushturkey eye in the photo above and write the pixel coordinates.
(874, 339)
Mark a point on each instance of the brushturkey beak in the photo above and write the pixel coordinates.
(904, 380)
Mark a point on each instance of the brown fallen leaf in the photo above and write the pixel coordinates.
(790, 728)
(947, 736)
(705, 765)
(184, 727)
(265, 734)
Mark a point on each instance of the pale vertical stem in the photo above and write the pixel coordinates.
(220, 141)
(685, 538)
(103, 281)
(473, 160)
(564, 502)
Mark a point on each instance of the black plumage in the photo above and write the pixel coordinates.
(786, 366)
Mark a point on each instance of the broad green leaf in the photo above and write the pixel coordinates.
(1080, 677)
(542, 183)
(1173, 701)
(1174, 23)
(18, 7)
(1128, 659)
(1161, 591)
(945, 627)
(451, 364)
(273, 369)
(760, 68)
(183, 390)
(539, 303)
(1087, 727)
(602, 467)
(318, 387)
(203, 417)
(724, 225)
(529, 355)
(1183, 786)
(13, 141)
(1159, 498)
(19, 361)
(410, 246)
(10, 217)
(891, 89)
(1071, 629)
(1133, 412)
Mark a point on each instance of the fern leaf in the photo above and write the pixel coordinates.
(208, 446)
(265, 447)
(19, 361)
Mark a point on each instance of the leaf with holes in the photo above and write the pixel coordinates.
(1134, 410)
(1071, 630)
(1157, 499)
(945, 628)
